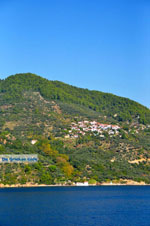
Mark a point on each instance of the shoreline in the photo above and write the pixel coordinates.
(30, 185)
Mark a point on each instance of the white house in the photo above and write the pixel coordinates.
(82, 184)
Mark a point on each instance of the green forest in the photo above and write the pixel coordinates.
(35, 109)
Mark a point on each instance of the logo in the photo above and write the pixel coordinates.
(31, 158)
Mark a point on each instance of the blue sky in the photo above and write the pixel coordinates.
(95, 44)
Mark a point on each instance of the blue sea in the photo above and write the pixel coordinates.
(68, 206)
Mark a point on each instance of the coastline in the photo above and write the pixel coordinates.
(127, 183)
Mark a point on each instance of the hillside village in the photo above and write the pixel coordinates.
(84, 127)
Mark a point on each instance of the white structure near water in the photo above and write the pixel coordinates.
(82, 184)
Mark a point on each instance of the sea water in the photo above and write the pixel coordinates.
(68, 206)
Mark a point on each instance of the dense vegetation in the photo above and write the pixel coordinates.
(107, 104)
(33, 108)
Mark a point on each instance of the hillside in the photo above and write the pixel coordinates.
(106, 104)
(78, 134)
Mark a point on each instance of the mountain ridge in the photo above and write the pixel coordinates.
(57, 81)
(56, 90)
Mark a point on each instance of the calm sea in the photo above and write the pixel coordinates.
(68, 206)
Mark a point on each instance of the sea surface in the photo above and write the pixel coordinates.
(68, 206)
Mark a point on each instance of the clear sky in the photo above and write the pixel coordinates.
(96, 44)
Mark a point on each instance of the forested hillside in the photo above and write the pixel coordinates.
(107, 104)
(79, 135)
